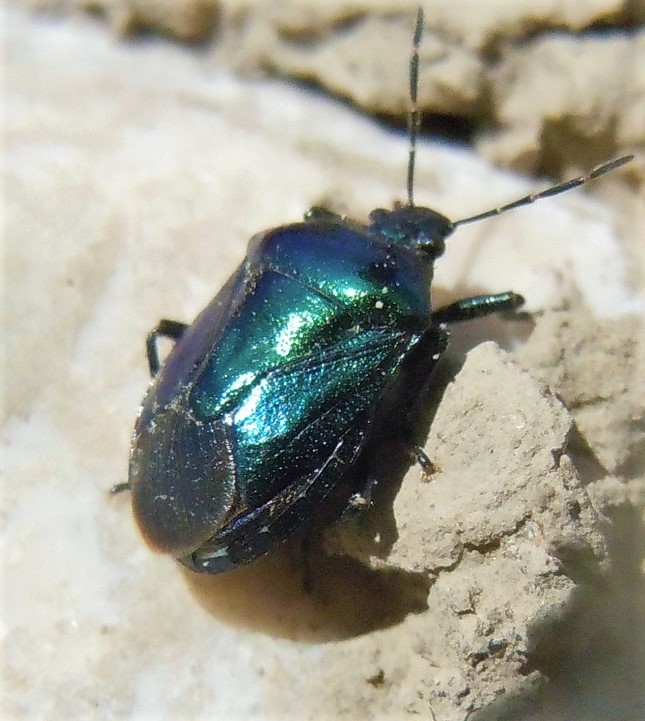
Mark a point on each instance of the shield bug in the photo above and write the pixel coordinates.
(256, 425)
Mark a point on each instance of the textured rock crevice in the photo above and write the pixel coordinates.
(546, 86)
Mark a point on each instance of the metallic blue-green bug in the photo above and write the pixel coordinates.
(257, 423)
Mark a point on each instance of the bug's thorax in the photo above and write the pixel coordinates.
(413, 227)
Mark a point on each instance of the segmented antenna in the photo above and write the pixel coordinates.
(414, 116)
(553, 190)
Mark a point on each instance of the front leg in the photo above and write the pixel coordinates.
(477, 306)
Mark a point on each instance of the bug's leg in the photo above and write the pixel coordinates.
(477, 306)
(119, 488)
(172, 329)
(319, 212)
(428, 468)
(430, 349)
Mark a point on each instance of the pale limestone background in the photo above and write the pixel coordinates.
(135, 173)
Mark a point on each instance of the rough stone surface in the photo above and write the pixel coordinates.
(597, 368)
(536, 82)
(505, 510)
(135, 172)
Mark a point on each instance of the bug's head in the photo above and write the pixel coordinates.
(413, 227)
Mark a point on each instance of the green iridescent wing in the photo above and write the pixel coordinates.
(293, 371)
(294, 418)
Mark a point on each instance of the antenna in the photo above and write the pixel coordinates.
(414, 116)
(553, 190)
